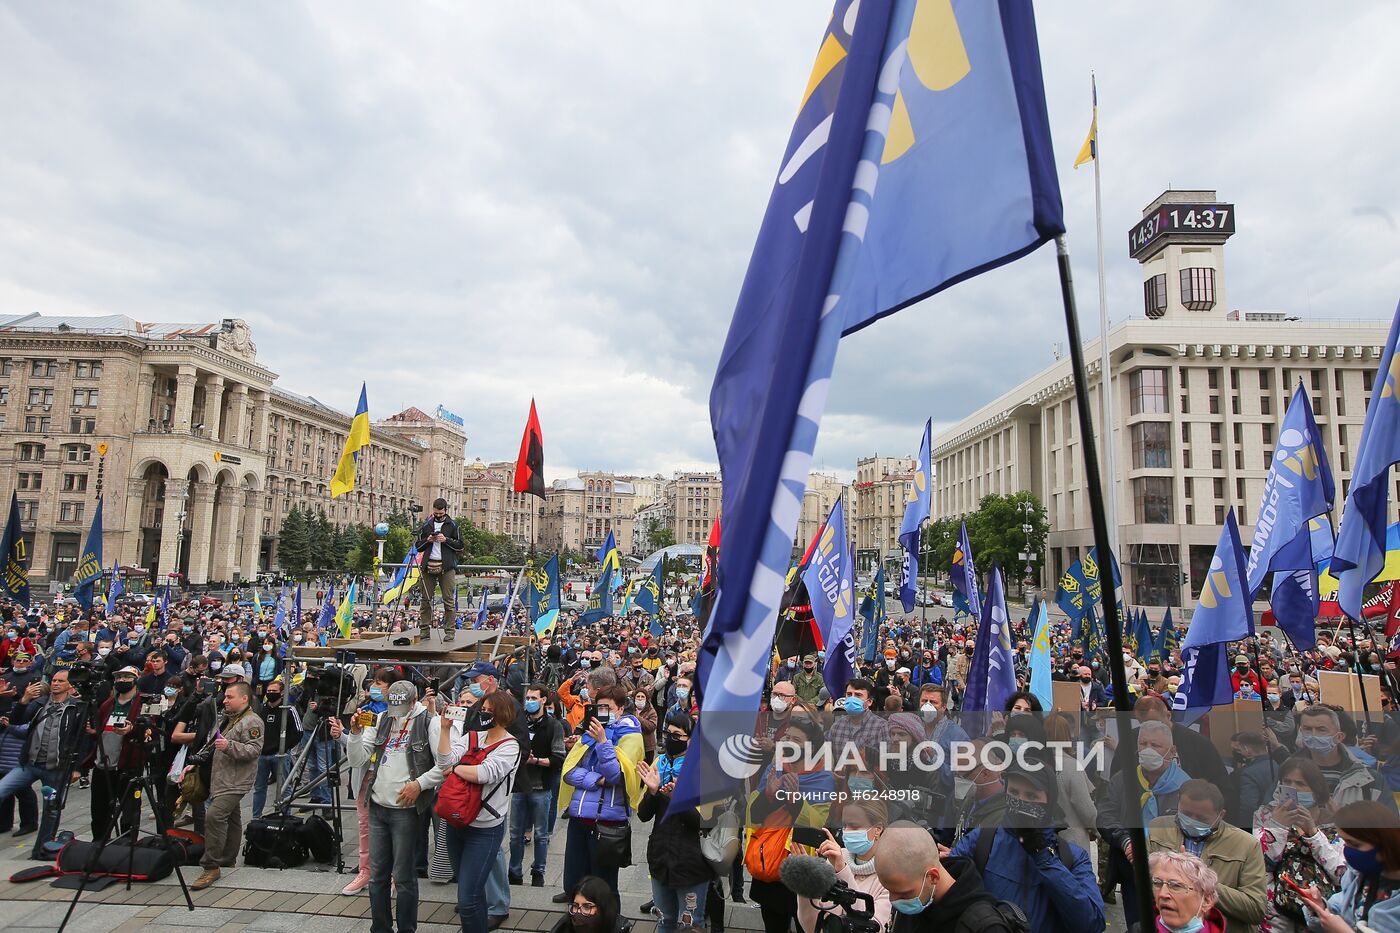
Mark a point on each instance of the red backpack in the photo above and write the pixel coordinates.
(459, 802)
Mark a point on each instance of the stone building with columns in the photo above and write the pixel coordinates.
(490, 502)
(186, 434)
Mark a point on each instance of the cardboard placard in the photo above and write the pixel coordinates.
(1067, 695)
(1340, 689)
(1239, 716)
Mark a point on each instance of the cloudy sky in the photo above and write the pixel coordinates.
(475, 203)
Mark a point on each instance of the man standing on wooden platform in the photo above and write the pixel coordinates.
(440, 543)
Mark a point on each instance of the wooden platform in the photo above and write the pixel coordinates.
(468, 646)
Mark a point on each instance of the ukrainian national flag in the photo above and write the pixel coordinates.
(344, 479)
(1090, 150)
(405, 579)
(346, 612)
(609, 556)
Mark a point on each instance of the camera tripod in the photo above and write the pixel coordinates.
(139, 787)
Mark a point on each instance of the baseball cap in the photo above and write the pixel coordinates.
(128, 670)
(1241, 659)
(482, 669)
(233, 670)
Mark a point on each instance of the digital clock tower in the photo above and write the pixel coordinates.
(1180, 243)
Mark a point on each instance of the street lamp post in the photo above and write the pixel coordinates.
(1027, 510)
(179, 542)
(381, 531)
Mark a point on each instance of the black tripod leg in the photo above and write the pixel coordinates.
(161, 830)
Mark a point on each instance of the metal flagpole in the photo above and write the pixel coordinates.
(1092, 484)
(1106, 366)
(510, 611)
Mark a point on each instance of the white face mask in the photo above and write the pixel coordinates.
(962, 787)
(778, 704)
(103, 652)
(1150, 759)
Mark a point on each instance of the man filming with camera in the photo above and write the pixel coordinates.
(54, 728)
(121, 736)
(439, 541)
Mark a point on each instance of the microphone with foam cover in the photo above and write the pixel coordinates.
(808, 876)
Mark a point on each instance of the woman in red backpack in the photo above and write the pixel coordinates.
(473, 848)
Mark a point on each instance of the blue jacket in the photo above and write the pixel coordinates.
(1385, 915)
(606, 801)
(1054, 898)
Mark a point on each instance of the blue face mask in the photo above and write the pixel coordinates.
(682, 693)
(1305, 798)
(1367, 862)
(857, 841)
(1322, 744)
(376, 694)
(1194, 926)
(583, 694)
(170, 691)
(532, 706)
(476, 691)
(913, 905)
(1016, 742)
(854, 706)
(860, 784)
(1193, 828)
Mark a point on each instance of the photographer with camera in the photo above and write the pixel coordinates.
(120, 736)
(54, 730)
(853, 860)
(232, 757)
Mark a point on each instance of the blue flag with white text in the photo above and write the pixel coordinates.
(916, 512)
(115, 589)
(966, 182)
(963, 575)
(600, 601)
(1224, 611)
(991, 678)
(1359, 553)
(828, 576)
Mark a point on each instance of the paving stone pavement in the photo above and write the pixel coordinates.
(303, 900)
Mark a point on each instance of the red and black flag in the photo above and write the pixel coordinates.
(798, 634)
(529, 466)
(709, 577)
(1392, 624)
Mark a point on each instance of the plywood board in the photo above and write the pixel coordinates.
(1340, 689)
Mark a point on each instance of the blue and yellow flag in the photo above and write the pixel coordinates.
(1040, 661)
(1168, 639)
(346, 613)
(544, 625)
(405, 578)
(1359, 553)
(916, 512)
(1224, 611)
(14, 551)
(600, 601)
(542, 592)
(908, 169)
(358, 438)
(1090, 150)
(608, 555)
(90, 563)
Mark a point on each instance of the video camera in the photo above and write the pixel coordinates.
(332, 684)
(813, 878)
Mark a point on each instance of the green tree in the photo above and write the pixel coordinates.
(996, 533)
(322, 541)
(658, 534)
(294, 542)
(360, 558)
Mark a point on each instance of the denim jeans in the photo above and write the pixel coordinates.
(473, 852)
(498, 883)
(269, 765)
(28, 803)
(393, 842)
(22, 778)
(529, 811)
(317, 763)
(554, 800)
(673, 907)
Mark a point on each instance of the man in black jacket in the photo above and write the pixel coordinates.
(530, 797)
(55, 727)
(929, 894)
(439, 544)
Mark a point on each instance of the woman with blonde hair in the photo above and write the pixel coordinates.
(1185, 891)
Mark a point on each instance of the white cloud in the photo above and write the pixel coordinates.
(477, 204)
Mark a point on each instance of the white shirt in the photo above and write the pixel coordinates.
(394, 770)
(435, 553)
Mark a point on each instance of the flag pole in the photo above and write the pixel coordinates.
(1110, 456)
(510, 612)
(1092, 484)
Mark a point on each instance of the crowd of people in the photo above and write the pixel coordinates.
(1284, 822)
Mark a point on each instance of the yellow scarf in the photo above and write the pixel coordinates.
(629, 749)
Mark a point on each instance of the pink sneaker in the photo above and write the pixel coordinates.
(358, 884)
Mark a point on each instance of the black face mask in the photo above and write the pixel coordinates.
(486, 720)
(125, 686)
(274, 698)
(1085, 680)
(676, 747)
(1022, 814)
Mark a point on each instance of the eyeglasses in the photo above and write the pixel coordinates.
(1172, 885)
(584, 909)
(677, 735)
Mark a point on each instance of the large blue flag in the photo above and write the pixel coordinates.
(872, 610)
(279, 615)
(482, 611)
(1143, 642)
(14, 580)
(1224, 611)
(649, 599)
(966, 182)
(916, 512)
(295, 621)
(327, 609)
(828, 578)
(991, 678)
(963, 574)
(115, 588)
(90, 563)
(600, 603)
(542, 588)
(840, 664)
(1298, 488)
(608, 555)
(1359, 553)
(1072, 596)
(165, 606)
(1167, 638)
(1205, 680)
(1040, 682)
